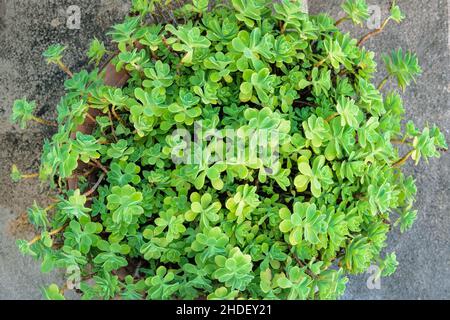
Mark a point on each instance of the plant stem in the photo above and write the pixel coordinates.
(94, 188)
(51, 233)
(113, 110)
(334, 115)
(50, 207)
(30, 176)
(91, 118)
(306, 103)
(343, 19)
(89, 172)
(100, 166)
(283, 28)
(374, 32)
(44, 122)
(402, 161)
(154, 56)
(136, 271)
(360, 196)
(164, 40)
(321, 62)
(383, 83)
(64, 68)
(302, 265)
(179, 65)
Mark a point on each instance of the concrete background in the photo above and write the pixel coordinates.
(28, 27)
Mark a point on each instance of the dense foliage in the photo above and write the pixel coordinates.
(143, 226)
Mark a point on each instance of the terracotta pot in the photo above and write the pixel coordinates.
(111, 78)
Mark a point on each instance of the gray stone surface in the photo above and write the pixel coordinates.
(424, 252)
(27, 27)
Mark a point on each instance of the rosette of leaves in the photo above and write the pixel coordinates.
(205, 209)
(243, 203)
(142, 225)
(186, 109)
(210, 243)
(187, 40)
(124, 203)
(298, 284)
(318, 177)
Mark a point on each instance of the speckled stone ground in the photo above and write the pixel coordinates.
(27, 27)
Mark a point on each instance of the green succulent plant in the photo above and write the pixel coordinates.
(124, 203)
(356, 10)
(319, 176)
(96, 51)
(54, 53)
(144, 212)
(202, 206)
(305, 223)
